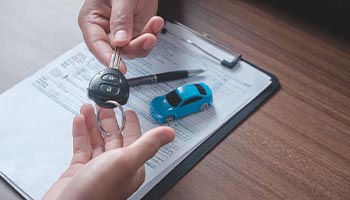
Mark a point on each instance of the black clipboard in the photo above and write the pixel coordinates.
(225, 129)
(209, 144)
(15, 192)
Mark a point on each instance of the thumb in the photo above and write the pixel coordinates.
(121, 22)
(148, 145)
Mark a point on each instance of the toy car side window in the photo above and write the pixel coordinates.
(191, 100)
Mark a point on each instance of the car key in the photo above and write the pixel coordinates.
(109, 85)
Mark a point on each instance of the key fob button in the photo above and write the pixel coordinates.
(111, 77)
(108, 89)
(109, 84)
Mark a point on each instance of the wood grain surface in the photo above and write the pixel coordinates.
(296, 146)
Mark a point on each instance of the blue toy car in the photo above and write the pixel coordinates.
(180, 102)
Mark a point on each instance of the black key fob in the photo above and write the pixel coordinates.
(109, 84)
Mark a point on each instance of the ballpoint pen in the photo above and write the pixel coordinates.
(167, 76)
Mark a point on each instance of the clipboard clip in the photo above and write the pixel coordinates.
(229, 64)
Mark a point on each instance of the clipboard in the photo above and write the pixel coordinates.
(209, 144)
(15, 192)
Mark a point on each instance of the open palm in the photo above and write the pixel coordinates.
(110, 167)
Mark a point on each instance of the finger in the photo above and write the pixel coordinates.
(122, 67)
(98, 43)
(121, 22)
(132, 129)
(154, 25)
(96, 38)
(110, 125)
(148, 145)
(140, 46)
(95, 137)
(81, 147)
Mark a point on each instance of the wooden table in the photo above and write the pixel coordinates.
(296, 146)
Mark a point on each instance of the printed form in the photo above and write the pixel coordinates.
(37, 113)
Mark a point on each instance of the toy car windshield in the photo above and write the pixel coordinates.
(200, 89)
(173, 98)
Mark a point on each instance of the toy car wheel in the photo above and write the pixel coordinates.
(169, 119)
(204, 106)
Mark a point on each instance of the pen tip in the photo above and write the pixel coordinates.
(195, 71)
(200, 71)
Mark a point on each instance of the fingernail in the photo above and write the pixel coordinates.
(158, 29)
(121, 35)
(148, 44)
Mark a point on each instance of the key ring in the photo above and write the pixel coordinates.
(101, 129)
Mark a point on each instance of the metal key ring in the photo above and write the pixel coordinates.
(101, 129)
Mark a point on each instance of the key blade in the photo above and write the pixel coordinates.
(115, 60)
(111, 64)
(118, 59)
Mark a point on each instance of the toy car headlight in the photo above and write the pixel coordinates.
(156, 114)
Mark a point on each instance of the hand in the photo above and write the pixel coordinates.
(130, 24)
(110, 167)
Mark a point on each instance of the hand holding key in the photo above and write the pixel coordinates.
(109, 89)
(123, 23)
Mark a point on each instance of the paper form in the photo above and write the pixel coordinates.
(36, 114)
